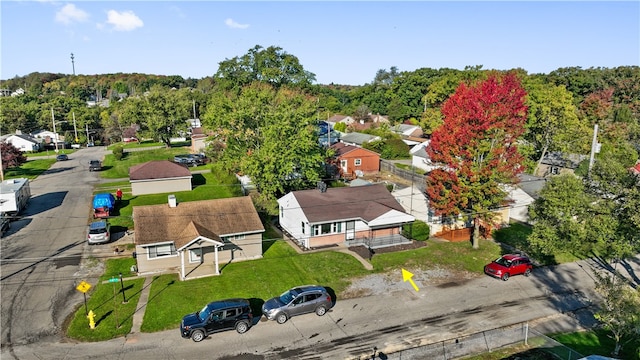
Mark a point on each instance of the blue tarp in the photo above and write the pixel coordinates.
(104, 200)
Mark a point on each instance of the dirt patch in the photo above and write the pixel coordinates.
(363, 251)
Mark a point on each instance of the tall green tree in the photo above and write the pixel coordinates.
(271, 65)
(270, 134)
(476, 148)
(552, 122)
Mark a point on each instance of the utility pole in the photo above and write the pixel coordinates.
(75, 130)
(73, 64)
(595, 147)
(55, 134)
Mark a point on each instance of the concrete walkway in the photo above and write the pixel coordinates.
(138, 315)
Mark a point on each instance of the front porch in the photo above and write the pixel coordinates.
(379, 242)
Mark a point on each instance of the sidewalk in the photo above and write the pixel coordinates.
(142, 304)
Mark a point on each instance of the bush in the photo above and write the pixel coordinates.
(419, 230)
(118, 152)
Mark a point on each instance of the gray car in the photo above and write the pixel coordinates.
(296, 301)
(99, 232)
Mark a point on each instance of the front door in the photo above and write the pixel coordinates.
(350, 232)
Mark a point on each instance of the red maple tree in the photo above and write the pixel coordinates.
(476, 150)
(11, 156)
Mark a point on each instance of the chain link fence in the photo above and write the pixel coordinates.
(483, 342)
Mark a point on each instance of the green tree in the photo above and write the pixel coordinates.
(558, 215)
(620, 310)
(271, 65)
(552, 122)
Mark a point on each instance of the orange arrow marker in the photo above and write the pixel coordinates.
(407, 276)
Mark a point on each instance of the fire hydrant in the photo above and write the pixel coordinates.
(91, 317)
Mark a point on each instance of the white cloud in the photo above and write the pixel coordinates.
(123, 21)
(234, 25)
(70, 13)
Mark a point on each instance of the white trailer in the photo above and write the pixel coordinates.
(14, 195)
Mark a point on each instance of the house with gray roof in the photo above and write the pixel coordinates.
(159, 176)
(193, 238)
(23, 142)
(345, 216)
(357, 139)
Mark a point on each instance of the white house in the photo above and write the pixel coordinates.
(23, 142)
(419, 157)
(360, 215)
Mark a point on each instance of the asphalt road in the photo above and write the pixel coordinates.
(42, 252)
(40, 269)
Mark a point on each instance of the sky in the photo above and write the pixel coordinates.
(341, 42)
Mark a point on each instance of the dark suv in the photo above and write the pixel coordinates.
(217, 316)
(95, 165)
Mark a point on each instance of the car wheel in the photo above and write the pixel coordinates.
(197, 335)
(505, 277)
(527, 272)
(321, 310)
(281, 318)
(242, 327)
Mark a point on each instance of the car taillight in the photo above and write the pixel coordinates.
(328, 298)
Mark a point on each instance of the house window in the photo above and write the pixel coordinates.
(357, 162)
(281, 212)
(235, 237)
(195, 255)
(160, 251)
(302, 226)
(328, 228)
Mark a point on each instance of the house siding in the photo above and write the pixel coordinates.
(248, 248)
(369, 162)
(160, 186)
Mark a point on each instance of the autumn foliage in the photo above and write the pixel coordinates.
(11, 156)
(475, 147)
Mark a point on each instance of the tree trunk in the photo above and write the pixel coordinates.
(476, 233)
(544, 152)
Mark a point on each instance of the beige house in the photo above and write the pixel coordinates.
(193, 238)
(160, 176)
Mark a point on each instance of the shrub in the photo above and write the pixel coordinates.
(118, 152)
(419, 230)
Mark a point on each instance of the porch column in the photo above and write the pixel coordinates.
(215, 251)
(182, 264)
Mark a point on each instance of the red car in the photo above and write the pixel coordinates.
(509, 265)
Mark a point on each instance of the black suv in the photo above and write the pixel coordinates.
(217, 316)
(95, 165)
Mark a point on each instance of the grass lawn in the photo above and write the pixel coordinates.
(207, 186)
(282, 268)
(112, 317)
(517, 234)
(31, 169)
(116, 169)
(597, 342)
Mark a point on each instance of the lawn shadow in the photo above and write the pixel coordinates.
(103, 317)
(197, 180)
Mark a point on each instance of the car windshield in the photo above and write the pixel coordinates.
(204, 313)
(288, 296)
(502, 261)
(97, 231)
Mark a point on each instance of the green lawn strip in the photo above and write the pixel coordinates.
(135, 144)
(454, 255)
(598, 342)
(517, 236)
(30, 170)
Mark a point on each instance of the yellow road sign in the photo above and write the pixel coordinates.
(83, 287)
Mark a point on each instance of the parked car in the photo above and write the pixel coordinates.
(509, 265)
(189, 159)
(217, 316)
(95, 165)
(62, 157)
(296, 301)
(99, 232)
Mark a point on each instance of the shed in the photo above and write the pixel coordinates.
(159, 176)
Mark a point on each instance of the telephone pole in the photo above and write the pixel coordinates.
(73, 65)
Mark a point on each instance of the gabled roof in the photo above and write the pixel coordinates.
(158, 169)
(337, 118)
(212, 219)
(343, 149)
(358, 202)
(569, 161)
(28, 138)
